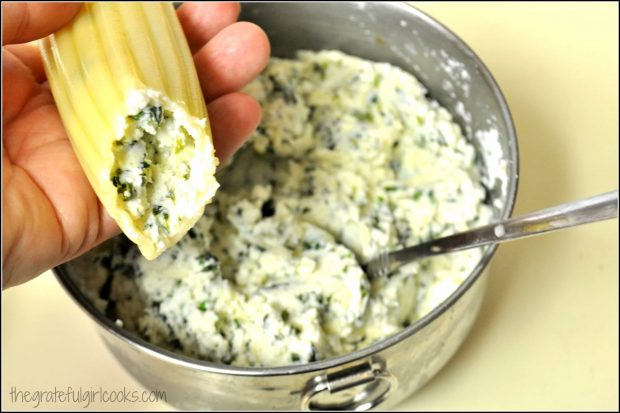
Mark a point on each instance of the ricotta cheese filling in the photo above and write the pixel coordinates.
(351, 158)
(154, 160)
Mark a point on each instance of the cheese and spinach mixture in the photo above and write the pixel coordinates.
(158, 168)
(350, 159)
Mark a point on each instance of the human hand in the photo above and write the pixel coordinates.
(50, 213)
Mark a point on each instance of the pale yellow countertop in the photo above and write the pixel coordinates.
(547, 335)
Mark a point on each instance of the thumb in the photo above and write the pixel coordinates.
(23, 22)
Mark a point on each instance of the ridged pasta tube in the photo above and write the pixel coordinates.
(126, 87)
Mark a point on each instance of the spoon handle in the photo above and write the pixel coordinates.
(596, 208)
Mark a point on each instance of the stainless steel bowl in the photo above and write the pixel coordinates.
(392, 369)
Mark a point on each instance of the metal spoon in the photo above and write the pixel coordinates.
(596, 208)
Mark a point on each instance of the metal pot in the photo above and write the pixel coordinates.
(392, 369)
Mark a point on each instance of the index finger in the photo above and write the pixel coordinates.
(23, 22)
(202, 21)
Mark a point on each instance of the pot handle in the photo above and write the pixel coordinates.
(361, 374)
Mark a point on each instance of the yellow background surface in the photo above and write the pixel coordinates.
(547, 334)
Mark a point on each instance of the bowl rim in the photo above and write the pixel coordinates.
(181, 360)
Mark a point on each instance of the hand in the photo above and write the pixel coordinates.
(50, 213)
